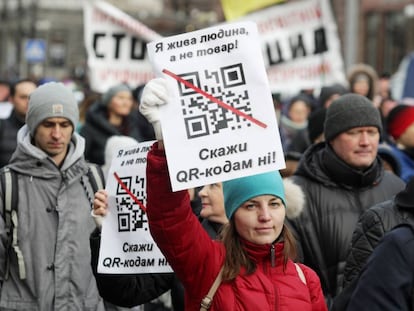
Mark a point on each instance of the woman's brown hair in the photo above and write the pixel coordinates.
(237, 257)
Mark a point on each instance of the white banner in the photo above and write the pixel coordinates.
(219, 123)
(300, 46)
(126, 243)
(116, 47)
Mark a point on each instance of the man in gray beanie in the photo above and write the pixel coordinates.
(341, 177)
(48, 265)
(49, 101)
(350, 111)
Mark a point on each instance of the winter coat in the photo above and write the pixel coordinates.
(197, 259)
(97, 130)
(387, 281)
(54, 224)
(127, 290)
(8, 136)
(371, 228)
(336, 195)
(405, 160)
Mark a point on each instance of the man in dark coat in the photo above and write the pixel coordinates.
(341, 178)
(371, 228)
(386, 282)
(19, 97)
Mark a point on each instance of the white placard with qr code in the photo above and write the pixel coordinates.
(126, 243)
(219, 123)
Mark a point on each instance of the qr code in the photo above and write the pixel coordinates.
(202, 116)
(130, 215)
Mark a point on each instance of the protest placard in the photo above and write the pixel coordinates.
(126, 243)
(115, 43)
(219, 122)
(300, 45)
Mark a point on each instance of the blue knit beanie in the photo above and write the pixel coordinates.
(237, 191)
(107, 96)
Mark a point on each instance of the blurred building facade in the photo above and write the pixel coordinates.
(377, 32)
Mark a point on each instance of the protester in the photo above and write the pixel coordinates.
(371, 228)
(295, 119)
(5, 106)
(19, 98)
(89, 99)
(112, 115)
(329, 93)
(400, 126)
(341, 177)
(135, 290)
(125, 290)
(363, 80)
(49, 265)
(132, 291)
(313, 132)
(386, 283)
(255, 248)
(212, 211)
(146, 287)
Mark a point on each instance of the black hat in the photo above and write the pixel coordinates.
(349, 111)
(315, 123)
(328, 91)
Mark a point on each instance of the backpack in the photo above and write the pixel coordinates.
(9, 184)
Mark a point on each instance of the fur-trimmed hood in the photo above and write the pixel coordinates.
(295, 198)
(369, 71)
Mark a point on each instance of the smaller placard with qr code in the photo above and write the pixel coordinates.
(126, 243)
(219, 122)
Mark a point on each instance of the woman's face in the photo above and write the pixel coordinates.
(260, 219)
(299, 111)
(212, 201)
(121, 103)
(361, 87)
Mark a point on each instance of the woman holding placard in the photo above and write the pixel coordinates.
(251, 262)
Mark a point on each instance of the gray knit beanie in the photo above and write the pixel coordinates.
(107, 96)
(349, 111)
(51, 100)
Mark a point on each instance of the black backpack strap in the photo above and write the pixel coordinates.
(96, 177)
(9, 184)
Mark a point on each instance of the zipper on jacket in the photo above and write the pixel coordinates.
(272, 255)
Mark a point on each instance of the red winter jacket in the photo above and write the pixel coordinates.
(197, 259)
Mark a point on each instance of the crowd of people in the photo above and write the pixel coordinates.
(328, 232)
